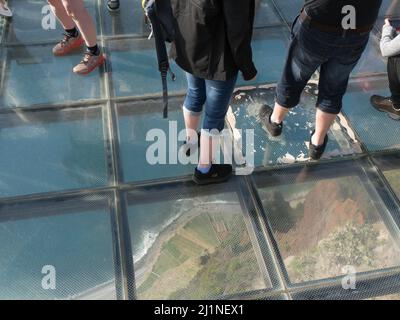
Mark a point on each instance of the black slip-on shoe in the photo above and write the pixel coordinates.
(218, 173)
(274, 129)
(384, 104)
(188, 148)
(113, 5)
(316, 152)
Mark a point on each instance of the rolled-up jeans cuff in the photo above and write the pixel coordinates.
(329, 109)
(191, 112)
(287, 103)
(211, 133)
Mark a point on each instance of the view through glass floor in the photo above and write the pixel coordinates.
(78, 194)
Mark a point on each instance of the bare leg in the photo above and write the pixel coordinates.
(323, 123)
(279, 113)
(59, 11)
(77, 11)
(191, 123)
(206, 150)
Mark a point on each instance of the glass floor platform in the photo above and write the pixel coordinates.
(78, 197)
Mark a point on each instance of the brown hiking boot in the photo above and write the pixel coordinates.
(67, 45)
(385, 105)
(89, 63)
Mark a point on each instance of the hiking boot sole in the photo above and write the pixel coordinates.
(277, 138)
(394, 116)
(211, 181)
(391, 115)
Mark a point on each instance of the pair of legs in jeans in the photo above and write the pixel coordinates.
(390, 105)
(214, 97)
(79, 29)
(336, 55)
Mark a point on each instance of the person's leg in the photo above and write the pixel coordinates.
(303, 59)
(333, 82)
(394, 80)
(63, 17)
(93, 58)
(79, 14)
(219, 94)
(193, 106)
(72, 39)
(390, 105)
(323, 123)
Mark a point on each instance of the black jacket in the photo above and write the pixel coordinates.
(213, 37)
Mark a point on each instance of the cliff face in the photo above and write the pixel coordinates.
(327, 207)
(332, 225)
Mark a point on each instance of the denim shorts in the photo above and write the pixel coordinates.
(310, 49)
(213, 95)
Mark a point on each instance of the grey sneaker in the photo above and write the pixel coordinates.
(89, 63)
(67, 45)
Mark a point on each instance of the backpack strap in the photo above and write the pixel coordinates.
(161, 49)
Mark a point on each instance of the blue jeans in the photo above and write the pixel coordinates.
(336, 55)
(214, 95)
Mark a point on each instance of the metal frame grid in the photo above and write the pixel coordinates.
(370, 283)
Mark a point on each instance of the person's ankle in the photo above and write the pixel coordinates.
(73, 33)
(95, 50)
(204, 168)
(275, 120)
(317, 141)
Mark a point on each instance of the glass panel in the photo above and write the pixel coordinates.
(376, 130)
(388, 8)
(68, 238)
(326, 218)
(135, 69)
(128, 20)
(369, 288)
(33, 22)
(34, 76)
(393, 176)
(387, 297)
(136, 120)
(266, 15)
(289, 8)
(371, 60)
(390, 166)
(269, 51)
(192, 246)
(293, 145)
(47, 151)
